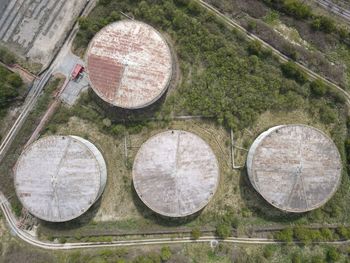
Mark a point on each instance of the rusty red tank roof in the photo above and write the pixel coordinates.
(129, 64)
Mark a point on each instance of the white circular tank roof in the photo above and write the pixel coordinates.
(175, 173)
(58, 178)
(296, 168)
(129, 64)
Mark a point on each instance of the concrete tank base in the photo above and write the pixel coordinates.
(175, 173)
(296, 168)
(58, 178)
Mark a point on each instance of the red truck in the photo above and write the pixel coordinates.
(78, 69)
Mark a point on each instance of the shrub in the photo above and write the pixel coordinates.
(118, 130)
(327, 234)
(343, 231)
(62, 240)
(332, 254)
(291, 70)
(17, 208)
(255, 48)
(318, 88)
(297, 258)
(251, 25)
(194, 7)
(302, 234)
(14, 80)
(6, 56)
(297, 9)
(328, 115)
(165, 253)
(196, 233)
(223, 230)
(324, 24)
(286, 235)
(317, 259)
(268, 251)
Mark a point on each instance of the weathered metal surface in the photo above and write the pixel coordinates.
(58, 178)
(296, 168)
(175, 173)
(129, 64)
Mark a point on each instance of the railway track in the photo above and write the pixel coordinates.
(334, 8)
(28, 106)
(283, 58)
(26, 237)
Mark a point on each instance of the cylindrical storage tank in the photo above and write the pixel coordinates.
(175, 173)
(296, 168)
(58, 178)
(129, 64)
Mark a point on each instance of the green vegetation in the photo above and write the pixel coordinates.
(233, 87)
(233, 80)
(223, 76)
(308, 235)
(165, 254)
(333, 254)
(6, 56)
(292, 71)
(285, 235)
(7, 164)
(196, 233)
(223, 230)
(300, 10)
(11, 86)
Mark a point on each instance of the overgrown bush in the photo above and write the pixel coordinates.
(291, 70)
(318, 88)
(6, 56)
(165, 254)
(223, 230)
(285, 235)
(196, 233)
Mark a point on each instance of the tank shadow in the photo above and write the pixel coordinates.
(76, 223)
(156, 218)
(260, 207)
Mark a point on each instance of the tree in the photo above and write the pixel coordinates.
(297, 258)
(14, 80)
(291, 70)
(268, 251)
(342, 231)
(118, 130)
(196, 233)
(297, 9)
(327, 234)
(6, 56)
(302, 234)
(332, 254)
(286, 235)
(318, 88)
(328, 115)
(223, 230)
(165, 253)
(194, 7)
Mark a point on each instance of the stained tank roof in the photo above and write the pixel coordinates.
(175, 173)
(129, 64)
(296, 168)
(58, 178)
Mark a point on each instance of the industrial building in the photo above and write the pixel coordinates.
(175, 173)
(296, 168)
(129, 64)
(58, 178)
